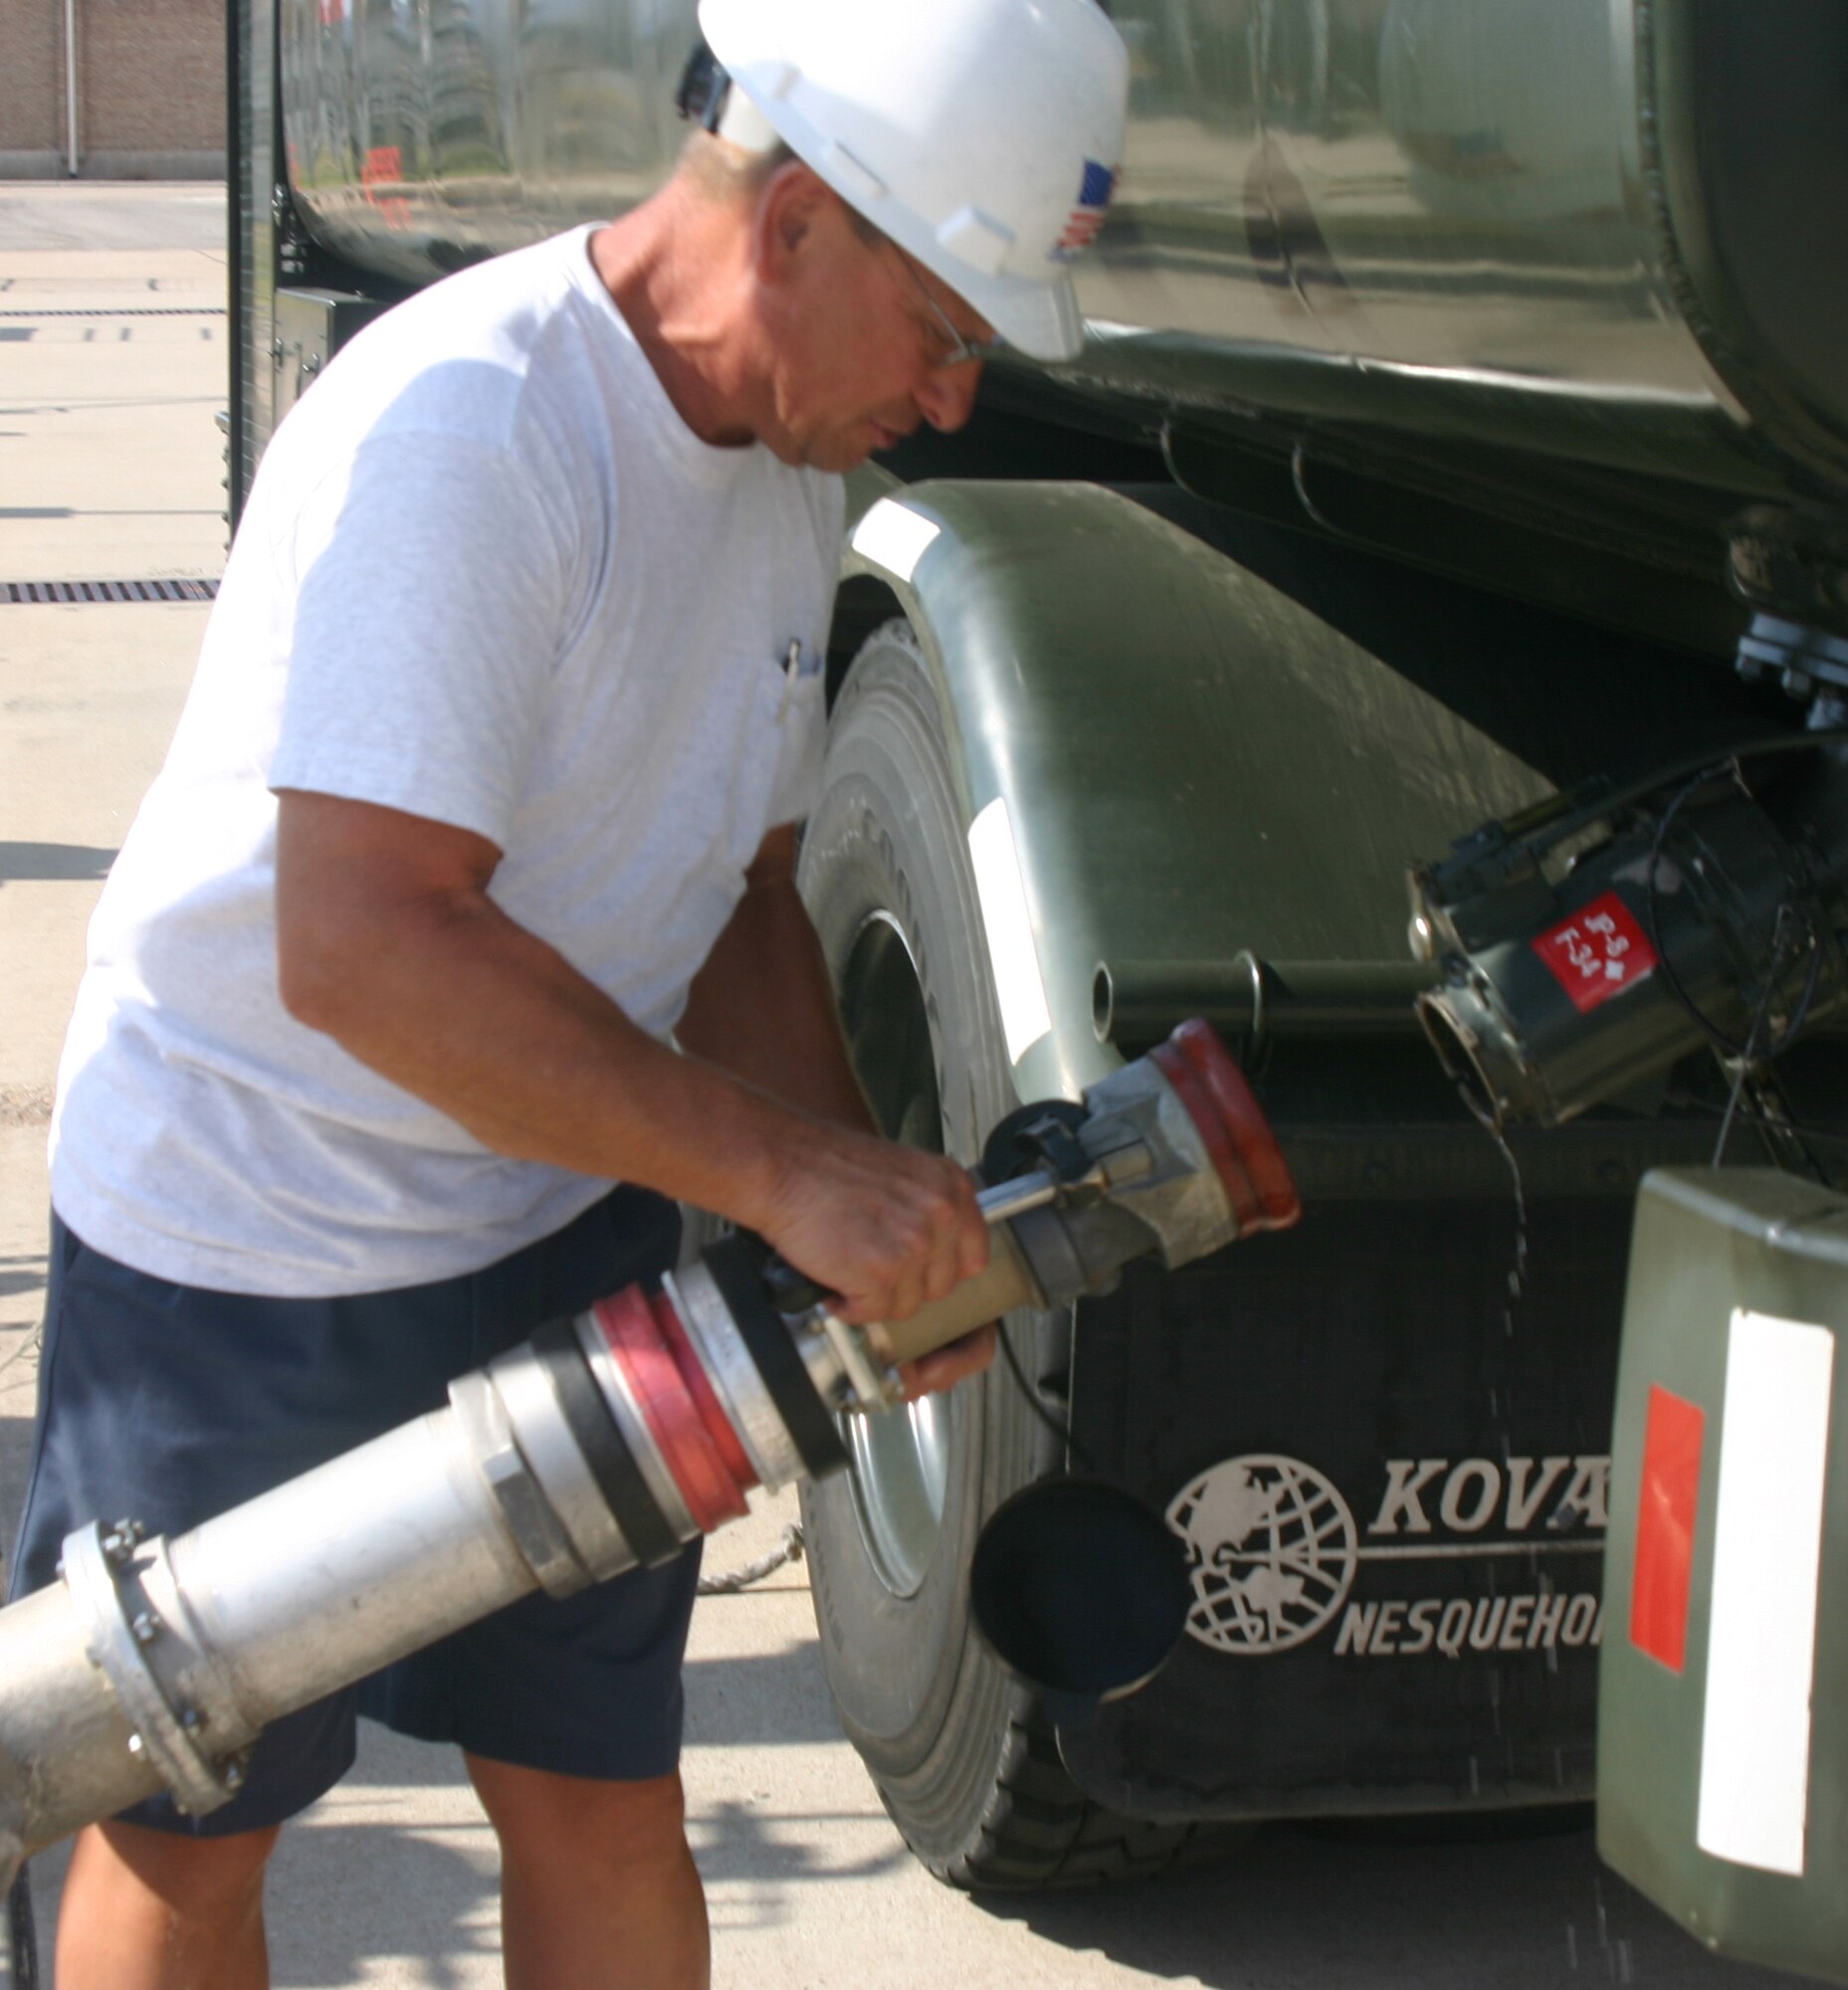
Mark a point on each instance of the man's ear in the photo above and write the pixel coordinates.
(783, 229)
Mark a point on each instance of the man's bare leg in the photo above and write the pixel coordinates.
(154, 1910)
(598, 1889)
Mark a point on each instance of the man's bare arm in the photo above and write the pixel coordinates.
(764, 1008)
(388, 941)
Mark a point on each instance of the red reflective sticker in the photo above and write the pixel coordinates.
(1671, 1492)
(1599, 952)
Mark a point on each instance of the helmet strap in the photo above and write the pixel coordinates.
(708, 97)
(742, 123)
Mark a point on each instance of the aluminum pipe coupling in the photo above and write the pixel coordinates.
(605, 1442)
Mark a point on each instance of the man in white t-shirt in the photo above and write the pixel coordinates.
(466, 895)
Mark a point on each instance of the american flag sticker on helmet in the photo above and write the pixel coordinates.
(1094, 192)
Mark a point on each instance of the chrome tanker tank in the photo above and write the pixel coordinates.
(1568, 263)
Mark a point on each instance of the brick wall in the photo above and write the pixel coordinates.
(151, 87)
(31, 78)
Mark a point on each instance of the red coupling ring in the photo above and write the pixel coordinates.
(690, 1428)
(1231, 1122)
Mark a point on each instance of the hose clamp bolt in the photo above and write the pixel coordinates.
(122, 1539)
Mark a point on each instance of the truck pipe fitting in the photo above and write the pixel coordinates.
(1254, 1001)
(605, 1443)
(1571, 975)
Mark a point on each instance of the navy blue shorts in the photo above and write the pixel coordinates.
(166, 1404)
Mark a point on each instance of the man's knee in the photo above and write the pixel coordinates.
(194, 1877)
(572, 1818)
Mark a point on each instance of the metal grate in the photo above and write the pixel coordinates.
(108, 590)
(121, 311)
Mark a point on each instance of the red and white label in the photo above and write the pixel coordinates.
(1599, 952)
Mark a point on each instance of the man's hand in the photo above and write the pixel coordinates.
(929, 1203)
(943, 1367)
(884, 1228)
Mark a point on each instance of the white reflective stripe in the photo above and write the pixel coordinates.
(1025, 1018)
(1767, 1554)
(894, 536)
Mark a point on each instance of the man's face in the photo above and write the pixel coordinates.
(864, 348)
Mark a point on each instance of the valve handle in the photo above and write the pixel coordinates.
(1037, 1138)
(792, 1292)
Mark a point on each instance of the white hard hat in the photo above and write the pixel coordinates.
(982, 135)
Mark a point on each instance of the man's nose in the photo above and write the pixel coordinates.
(947, 395)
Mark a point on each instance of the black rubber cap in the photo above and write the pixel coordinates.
(733, 1262)
(1081, 1589)
(612, 1465)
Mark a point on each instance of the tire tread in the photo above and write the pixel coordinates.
(1042, 1833)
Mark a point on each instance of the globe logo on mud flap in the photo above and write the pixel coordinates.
(1270, 1549)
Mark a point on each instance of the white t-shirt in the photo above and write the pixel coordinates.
(489, 576)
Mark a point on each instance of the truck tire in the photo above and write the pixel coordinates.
(963, 1756)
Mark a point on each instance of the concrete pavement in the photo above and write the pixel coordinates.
(108, 469)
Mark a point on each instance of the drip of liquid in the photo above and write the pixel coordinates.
(1517, 1272)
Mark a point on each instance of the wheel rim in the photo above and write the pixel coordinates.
(901, 1461)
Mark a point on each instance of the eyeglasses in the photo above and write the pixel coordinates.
(958, 350)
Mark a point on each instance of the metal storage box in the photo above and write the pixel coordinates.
(1723, 1722)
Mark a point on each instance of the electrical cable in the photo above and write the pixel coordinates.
(1597, 803)
(1710, 1030)
(1831, 1136)
(1781, 1139)
(1781, 945)
(1062, 1430)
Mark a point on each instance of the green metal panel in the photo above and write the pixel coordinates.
(1195, 763)
(1707, 1243)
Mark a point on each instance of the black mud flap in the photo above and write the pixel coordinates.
(1390, 1471)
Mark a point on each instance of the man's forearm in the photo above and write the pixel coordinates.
(422, 977)
(389, 942)
(762, 1007)
(482, 1020)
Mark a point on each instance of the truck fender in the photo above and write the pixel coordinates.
(1190, 772)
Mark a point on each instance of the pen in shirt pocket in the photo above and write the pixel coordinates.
(796, 668)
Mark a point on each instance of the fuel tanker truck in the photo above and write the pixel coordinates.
(1412, 637)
